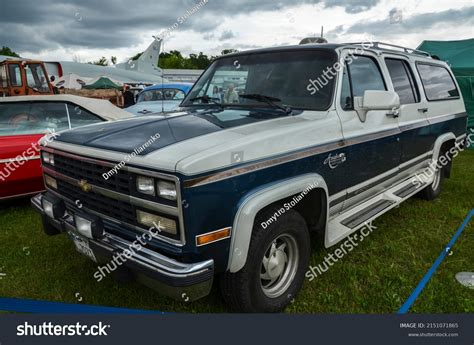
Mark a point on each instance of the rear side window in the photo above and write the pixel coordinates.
(402, 80)
(437, 82)
(81, 117)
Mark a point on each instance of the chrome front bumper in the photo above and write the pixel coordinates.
(183, 281)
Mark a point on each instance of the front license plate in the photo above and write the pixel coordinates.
(82, 246)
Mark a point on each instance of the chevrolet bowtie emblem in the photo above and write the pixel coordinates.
(85, 186)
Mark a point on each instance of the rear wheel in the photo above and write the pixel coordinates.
(276, 263)
(432, 191)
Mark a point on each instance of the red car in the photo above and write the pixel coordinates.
(25, 119)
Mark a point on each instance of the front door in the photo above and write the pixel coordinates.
(372, 145)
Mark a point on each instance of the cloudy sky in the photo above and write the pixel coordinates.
(88, 29)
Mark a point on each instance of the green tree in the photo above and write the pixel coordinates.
(101, 62)
(8, 52)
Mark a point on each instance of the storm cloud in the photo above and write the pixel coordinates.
(55, 24)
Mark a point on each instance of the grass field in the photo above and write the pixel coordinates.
(376, 277)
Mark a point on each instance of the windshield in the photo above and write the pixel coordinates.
(283, 77)
(36, 78)
(162, 94)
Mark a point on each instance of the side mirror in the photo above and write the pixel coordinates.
(377, 100)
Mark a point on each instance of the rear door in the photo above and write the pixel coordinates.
(415, 139)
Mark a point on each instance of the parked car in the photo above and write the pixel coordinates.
(25, 119)
(159, 98)
(324, 139)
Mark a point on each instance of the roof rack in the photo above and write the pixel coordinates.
(380, 45)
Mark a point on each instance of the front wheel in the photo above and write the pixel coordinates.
(276, 263)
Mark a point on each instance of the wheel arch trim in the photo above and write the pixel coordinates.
(443, 138)
(254, 202)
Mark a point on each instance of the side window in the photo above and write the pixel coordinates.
(437, 82)
(365, 74)
(346, 94)
(15, 75)
(81, 117)
(32, 118)
(3, 76)
(403, 81)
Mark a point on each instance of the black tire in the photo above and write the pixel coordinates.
(432, 191)
(244, 291)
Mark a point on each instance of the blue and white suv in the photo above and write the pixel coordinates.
(268, 147)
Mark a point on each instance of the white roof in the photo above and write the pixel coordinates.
(99, 107)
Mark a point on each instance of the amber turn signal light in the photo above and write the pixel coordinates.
(213, 236)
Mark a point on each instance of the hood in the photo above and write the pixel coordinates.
(157, 132)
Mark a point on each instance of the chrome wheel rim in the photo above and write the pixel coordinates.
(437, 179)
(279, 266)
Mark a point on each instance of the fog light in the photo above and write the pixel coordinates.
(48, 208)
(53, 207)
(50, 181)
(158, 222)
(90, 228)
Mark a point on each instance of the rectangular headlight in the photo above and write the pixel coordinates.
(158, 222)
(50, 181)
(48, 158)
(166, 190)
(146, 185)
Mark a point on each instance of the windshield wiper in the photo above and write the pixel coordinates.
(269, 100)
(207, 99)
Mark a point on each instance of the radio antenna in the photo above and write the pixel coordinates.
(162, 77)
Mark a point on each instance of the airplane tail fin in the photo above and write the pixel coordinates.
(147, 62)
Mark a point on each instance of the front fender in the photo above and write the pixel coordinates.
(255, 201)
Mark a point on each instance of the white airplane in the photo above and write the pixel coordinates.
(144, 70)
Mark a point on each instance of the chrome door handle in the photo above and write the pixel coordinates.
(423, 110)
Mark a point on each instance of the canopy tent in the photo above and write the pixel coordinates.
(71, 81)
(103, 83)
(460, 56)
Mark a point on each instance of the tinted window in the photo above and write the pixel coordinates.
(81, 117)
(402, 80)
(295, 78)
(32, 118)
(437, 82)
(346, 95)
(365, 75)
